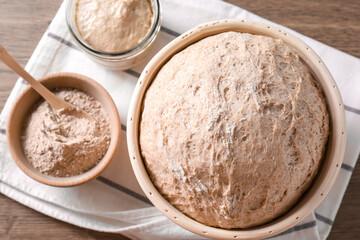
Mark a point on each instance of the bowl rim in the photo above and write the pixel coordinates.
(83, 177)
(338, 134)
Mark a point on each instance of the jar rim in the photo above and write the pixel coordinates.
(148, 39)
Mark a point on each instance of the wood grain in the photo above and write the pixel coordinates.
(22, 23)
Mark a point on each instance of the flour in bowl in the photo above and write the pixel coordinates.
(60, 144)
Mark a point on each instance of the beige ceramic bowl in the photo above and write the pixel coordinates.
(26, 101)
(330, 164)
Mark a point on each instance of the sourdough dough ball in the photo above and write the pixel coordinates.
(233, 129)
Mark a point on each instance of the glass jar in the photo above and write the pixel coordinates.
(116, 60)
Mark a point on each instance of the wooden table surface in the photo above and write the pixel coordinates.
(22, 23)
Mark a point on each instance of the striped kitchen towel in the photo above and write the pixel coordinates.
(114, 201)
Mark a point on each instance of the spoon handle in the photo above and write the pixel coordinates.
(54, 101)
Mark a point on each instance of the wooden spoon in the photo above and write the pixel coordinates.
(57, 104)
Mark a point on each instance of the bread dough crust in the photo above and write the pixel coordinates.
(233, 130)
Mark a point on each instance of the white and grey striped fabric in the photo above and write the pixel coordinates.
(114, 202)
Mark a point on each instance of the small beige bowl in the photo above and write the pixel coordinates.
(26, 101)
(330, 164)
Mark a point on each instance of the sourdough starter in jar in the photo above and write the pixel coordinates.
(113, 25)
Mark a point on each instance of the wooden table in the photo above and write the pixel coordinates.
(22, 23)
